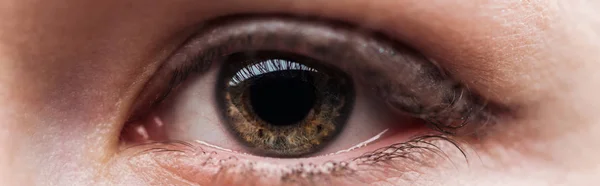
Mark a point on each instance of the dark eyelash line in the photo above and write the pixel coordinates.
(470, 109)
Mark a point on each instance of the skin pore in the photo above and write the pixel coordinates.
(71, 71)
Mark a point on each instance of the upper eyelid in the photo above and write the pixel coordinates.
(183, 57)
(367, 45)
(419, 77)
(385, 58)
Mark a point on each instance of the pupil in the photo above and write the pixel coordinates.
(282, 97)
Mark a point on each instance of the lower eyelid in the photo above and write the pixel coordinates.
(196, 164)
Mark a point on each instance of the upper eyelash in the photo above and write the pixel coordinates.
(460, 112)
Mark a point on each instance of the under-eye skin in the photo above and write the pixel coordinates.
(396, 82)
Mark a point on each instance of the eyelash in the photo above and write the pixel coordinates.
(465, 108)
(411, 156)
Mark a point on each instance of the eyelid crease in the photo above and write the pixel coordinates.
(186, 161)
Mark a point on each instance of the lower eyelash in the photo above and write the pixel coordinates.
(395, 160)
(416, 155)
(403, 150)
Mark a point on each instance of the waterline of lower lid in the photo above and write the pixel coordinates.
(217, 147)
(360, 145)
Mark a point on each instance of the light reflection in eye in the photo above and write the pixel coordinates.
(270, 65)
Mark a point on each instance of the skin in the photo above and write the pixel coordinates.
(70, 72)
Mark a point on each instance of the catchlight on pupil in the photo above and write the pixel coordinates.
(283, 105)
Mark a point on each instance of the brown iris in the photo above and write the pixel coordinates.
(283, 105)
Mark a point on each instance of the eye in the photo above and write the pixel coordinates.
(290, 87)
